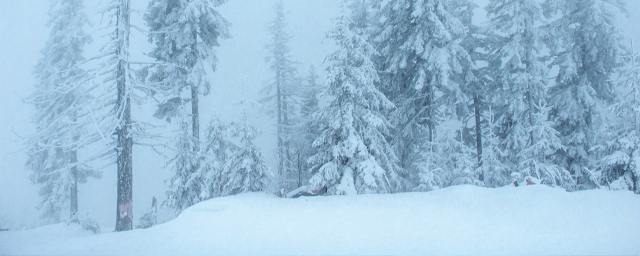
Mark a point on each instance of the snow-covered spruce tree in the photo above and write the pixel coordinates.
(60, 120)
(538, 158)
(187, 183)
(463, 162)
(586, 46)
(113, 97)
(466, 98)
(448, 160)
(150, 218)
(520, 73)
(280, 94)
(364, 13)
(185, 33)
(353, 153)
(620, 166)
(118, 120)
(215, 150)
(473, 80)
(431, 175)
(246, 169)
(421, 58)
(494, 171)
(307, 128)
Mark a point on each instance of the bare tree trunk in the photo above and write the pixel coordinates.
(299, 170)
(430, 115)
(280, 130)
(476, 106)
(286, 172)
(73, 190)
(195, 122)
(531, 109)
(124, 214)
(195, 115)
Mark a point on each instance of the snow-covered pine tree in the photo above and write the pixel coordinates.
(364, 13)
(519, 71)
(353, 156)
(113, 97)
(246, 169)
(620, 166)
(60, 120)
(448, 160)
(118, 120)
(185, 33)
(538, 157)
(187, 183)
(464, 99)
(586, 46)
(494, 171)
(308, 128)
(463, 163)
(280, 94)
(419, 41)
(216, 149)
(473, 80)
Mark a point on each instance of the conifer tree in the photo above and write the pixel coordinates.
(421, 58)
(187, 184)
(61, 123)
(308, 128)
(354, 156)
(280, 94)
(586, 47)
(620, 166)
(494, 171)
(215, 152)
(120, 11)
(185, 33)
(538, 159)
(245, 170)
(518, 69)
(114, 96)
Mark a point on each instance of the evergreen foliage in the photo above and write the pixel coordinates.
(60, 119)
(354, 156)
(280, 100)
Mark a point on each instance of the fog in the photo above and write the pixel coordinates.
(241, 60)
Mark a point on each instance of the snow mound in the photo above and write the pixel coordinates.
(527, 220)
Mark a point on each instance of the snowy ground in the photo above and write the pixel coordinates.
(529, 220)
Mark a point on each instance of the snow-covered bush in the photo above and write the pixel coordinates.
(150, 218)
(86, 222)
(4, 225)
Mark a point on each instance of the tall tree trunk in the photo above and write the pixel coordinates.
(430, 114)
(124, 214)
(286, 172)
(280, 131)
(195, 123)
(531, 109)
(476, 107)
(195, 115)
(73, 190)
(299, 171)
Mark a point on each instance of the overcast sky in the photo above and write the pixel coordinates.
(23, 34)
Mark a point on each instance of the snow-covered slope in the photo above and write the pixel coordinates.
(529, 220)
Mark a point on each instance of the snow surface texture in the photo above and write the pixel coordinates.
(526, 220)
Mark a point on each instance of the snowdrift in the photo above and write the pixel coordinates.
(529, 220)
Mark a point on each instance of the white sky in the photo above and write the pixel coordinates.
(23, 30)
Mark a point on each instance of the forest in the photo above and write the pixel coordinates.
(415, 97)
